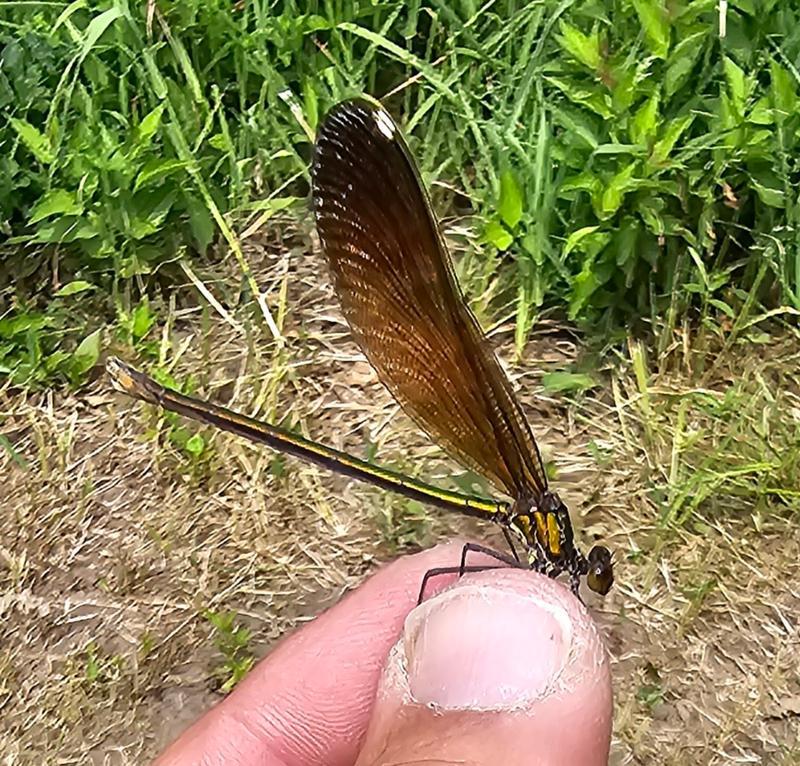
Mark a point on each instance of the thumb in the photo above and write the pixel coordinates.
(506, 667)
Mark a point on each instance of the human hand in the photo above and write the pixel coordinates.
(506, 667)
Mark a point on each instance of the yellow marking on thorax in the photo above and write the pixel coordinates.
(554, 535)
(541, 529)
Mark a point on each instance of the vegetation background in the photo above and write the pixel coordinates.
(624, 169)
(624, 161)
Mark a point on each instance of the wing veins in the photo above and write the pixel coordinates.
(393, 274)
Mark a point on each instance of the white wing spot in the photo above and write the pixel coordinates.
(385, 123)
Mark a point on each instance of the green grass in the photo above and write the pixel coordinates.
(715, 442)
(623, 161)
(233, 642)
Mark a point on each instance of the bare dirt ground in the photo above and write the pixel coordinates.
(114, 544)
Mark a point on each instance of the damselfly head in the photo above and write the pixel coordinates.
(600, 576)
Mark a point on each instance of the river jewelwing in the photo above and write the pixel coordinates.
(395, 282)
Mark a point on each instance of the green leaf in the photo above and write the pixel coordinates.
(645, 121)
(510, 204)
(311, 103)
(277, 466)
(36, 142)
(153, 210)
(723, 307)
(195, 445)
(782, 92)
(583, 286)
(185, 64)
(737, 84)
(614, 193)
(149, 125)
(12, 327)
(55, 202)
(96, 27)
(769, 195)
(218, 142)
(65, 15)
(583, 182)
(576, 238)
(759, 137)
(762, 112)
(141, 320)
(654, 20)
(497, 235)
(624, 90)
(584, 48)
(592, 244)
(558, 382)
(65, 229)
(701, 267)
(201, 223)
(141, 228)
(624, 244)
(92, 665)
(157, 82)
(664, 147)
(157, 170)
(13, 454)
(728, 118)
(682, 61)
(610, 149)
(87, 353)
(577, 123)
(651, 211)
(591, 97)
(74, 287)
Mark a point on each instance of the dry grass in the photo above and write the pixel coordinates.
(114, 543)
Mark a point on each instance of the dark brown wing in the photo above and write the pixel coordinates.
(399, 294)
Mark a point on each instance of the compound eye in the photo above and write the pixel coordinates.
(600, 576)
